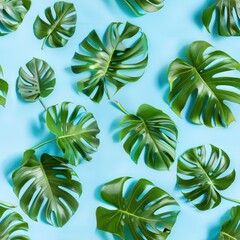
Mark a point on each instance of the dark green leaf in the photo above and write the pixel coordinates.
(227, 17)
(76, 132)
(153, 131)
(203, 174)
(140, 7)
(11, 223)
(60, 26)
(3, 89)
(146, 211)
(52, 186)
(119, 60)
(12, 13)
(231, 228)
(39, 83)
(207, 77)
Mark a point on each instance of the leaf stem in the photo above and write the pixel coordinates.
(231, 199)
(120, 107)
(41, 101)
(44, 143)
(44, 42)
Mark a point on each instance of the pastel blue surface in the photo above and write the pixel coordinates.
(169, 31)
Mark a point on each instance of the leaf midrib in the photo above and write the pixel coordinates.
(48, 184)
(136, 216)
(71, 135)
(38, 77)
(206, 85)
(151, 137)
(55, 25)
(224, 233)
(205, 173)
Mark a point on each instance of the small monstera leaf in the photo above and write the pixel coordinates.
(146, 211)
(75, 133)
(12, 13)
(38, 83)
(203, 175)
(60, 26)
(140, 7)
(207, 78)
(151, 131)
(11, 223)
(231, 228)
(52, 191)
(3, 89)
(118, 60)
(227, 17)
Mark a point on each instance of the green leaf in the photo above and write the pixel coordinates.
(38, 83)
(112, 63)
(12, 13)
(60, 27)
(140, 7)
(153, 132)
(47, 187)
(231, 228)
(207, 79)
(11, 223)
(76, 132)
(227, 17)
(203, 174)
(3, 89)
(146, 211)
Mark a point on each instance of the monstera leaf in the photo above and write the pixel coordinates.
(146, 211)
(51, 190)
(12, 13)
(231, 228)
(11, 223)
(139, 7)
(75, 133)
(203, 175)
(38, 83)
(118, 60)
(207, 79)
(60, 26)
(3, 89)
(227, 17)
(153, 131)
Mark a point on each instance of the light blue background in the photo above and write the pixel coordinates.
(169, 31)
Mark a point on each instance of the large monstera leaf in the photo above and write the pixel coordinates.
(151, 131)
(38, 83)
(11, 224)
(227, 17)
(75, 133)
(202, 174)
(231, 228)
(12, 13)
(52, 191)
(140, 7)
(60, 26)
(207, 77)
(3, 89)
(112, 63)
(145, 210)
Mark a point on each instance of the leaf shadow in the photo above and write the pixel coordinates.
(115, 129)
(162, 79)
(12, 164)
(106, 236)
(198, 14)
(122, 5)
(215, 230)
